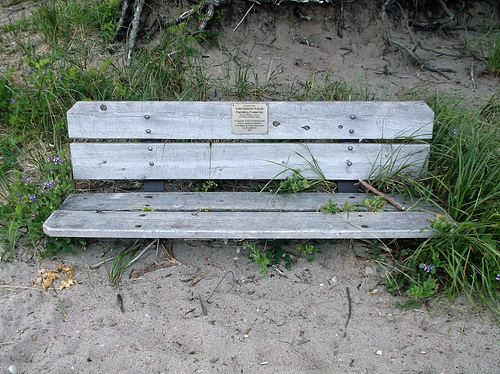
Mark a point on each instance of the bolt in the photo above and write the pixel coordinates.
(147, 116)
(148, 131)
(351, 131)
(349, 148)
(353, 116)
(349, 163)
(151, 163)
(103, 107)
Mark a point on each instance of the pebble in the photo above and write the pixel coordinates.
(13, 369)
(379, 352)
(335, 279)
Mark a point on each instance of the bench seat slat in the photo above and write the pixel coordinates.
(338, 161)
(238, 225)
(221, 201)
(286, 120)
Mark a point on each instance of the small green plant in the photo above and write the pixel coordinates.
(204, 186)
(330, 207)
(349, 207)
(271, 257)
(293, 183)
(493, 56)
(309, 251)
(60, 307)
(425, 288)
(261, 259)
(376, 204)
(120, 263)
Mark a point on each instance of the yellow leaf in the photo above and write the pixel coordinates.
(68, 269)
(66, 284)
(48, 278)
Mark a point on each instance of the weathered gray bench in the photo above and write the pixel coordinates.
(157, 141)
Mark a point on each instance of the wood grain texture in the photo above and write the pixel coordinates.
(286, 120)
(224, 202)
(238, 225)
(144, 161)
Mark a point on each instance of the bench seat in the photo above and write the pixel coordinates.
(233, 215)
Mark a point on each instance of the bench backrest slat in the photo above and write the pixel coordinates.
(195, 140)
(147, 161)
(286, 120)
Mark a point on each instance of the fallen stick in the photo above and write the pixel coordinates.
(147, 269)
(377, 192)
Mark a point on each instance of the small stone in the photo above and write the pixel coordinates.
(379, 352)
(369, 270)
(13, 369)
(335, 279)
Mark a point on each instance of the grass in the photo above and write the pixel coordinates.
(37, 91)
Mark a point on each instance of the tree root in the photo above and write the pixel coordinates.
(421, 63)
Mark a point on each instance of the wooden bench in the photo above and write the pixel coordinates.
(158, 141)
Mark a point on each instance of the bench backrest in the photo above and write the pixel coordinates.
(229, 140)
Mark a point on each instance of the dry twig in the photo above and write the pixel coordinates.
(377, 192)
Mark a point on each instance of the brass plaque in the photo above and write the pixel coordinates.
(249, 119)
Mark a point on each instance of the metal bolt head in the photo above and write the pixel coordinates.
(351, 131)
(150, 148)
(103, 107)
(276, 123)
(147, 116)
(341, 127)
(148, 131)
(353, 116)
(349, 163)
(349, 148)
(151, 163)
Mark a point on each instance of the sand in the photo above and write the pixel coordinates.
(318, 317)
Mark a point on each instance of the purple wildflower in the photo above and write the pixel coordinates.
(20, 196)
(428, 268)
(498, 277)
(57, 160)
(43, 91)
(453, 131)
(24, 179)
(49, 184)
(31, 69)
(13, 99)
(32, 197)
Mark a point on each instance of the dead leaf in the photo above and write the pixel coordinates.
(48, 278)
(66, 284)
(373, 292)
(68, 269)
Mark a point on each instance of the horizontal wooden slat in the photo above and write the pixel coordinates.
(241, 160)
(238, 225)
(221, 201)
(286, 120)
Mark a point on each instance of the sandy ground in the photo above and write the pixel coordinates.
(299, 323)
(319, 317)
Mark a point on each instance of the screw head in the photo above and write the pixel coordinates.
(276, 123)
(150, 148)
(351, 131)
(341, 127)
(349, 148)
(353, 116)
(151, 163)
(147, 116)
(103, 107)
(148, 131)
(349, 163)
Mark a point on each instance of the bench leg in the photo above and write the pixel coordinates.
(153, 186)
(347, 186)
